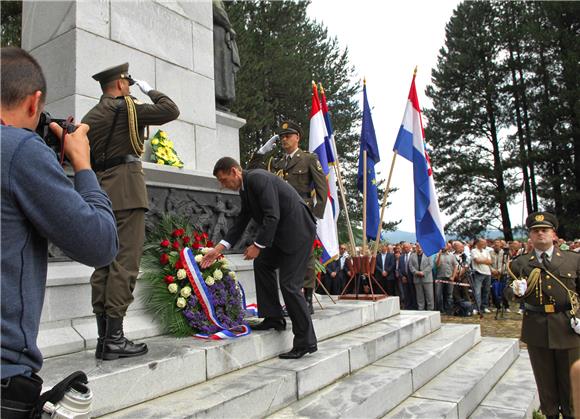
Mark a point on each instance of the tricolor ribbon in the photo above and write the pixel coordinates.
(250, 309)
(204, 297)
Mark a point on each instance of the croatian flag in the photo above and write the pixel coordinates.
(410, 144)
(325, 228)
(331, 156)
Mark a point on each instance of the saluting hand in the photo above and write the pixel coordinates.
(144, 86)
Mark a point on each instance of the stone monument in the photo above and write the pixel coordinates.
(170, 44)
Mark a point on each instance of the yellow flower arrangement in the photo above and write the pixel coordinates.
(162, 151)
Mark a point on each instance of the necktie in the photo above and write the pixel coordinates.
(546, 260)
(287, 161)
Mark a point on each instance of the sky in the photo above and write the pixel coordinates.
(386, 40)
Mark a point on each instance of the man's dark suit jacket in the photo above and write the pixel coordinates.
(284, 220)
(389, 266)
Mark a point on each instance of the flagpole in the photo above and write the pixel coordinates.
(336, 167)
(384, 205)
(364, 242)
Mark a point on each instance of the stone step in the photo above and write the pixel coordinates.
(363, 393)
(270, 385)
(67, 321)
(514, 396)
(173, 364)
(459, 389)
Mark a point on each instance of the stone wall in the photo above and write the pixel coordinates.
(167, 43)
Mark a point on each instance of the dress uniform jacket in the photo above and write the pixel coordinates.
(303, 172)
(549, 330)
(124, 183)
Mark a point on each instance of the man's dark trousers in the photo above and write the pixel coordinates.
(292, 269)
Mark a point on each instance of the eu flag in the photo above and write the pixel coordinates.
(368, 142)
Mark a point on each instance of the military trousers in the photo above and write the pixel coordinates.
(310, 276)
(552, 373)
(112, 286)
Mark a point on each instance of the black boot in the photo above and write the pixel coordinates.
(101, 330)
(308, 297)
(116, 345)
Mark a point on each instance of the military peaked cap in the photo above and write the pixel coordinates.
(114, 73)
(541, 220)
(289, 127)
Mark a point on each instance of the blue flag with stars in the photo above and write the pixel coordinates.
(368, 142)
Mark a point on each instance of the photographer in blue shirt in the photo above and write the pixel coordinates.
(39, 203)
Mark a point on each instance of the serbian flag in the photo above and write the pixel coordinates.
(331, 156)
(410, 144)
(325, 228)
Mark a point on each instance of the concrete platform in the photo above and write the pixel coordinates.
(377, 388)
(465, 383)
(174, 364)
(270, 385)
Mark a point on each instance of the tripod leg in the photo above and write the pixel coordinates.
(325, 290)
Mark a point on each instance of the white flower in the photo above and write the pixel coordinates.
(233, 275)
(198, 258)
(181, 274)
(217, 274)
(185, 292)
(209, 281)
(225, 263)
(172, 288)
(181, 302)
(204, 250)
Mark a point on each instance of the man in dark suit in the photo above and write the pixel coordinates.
(284, 241)
(385, 270)
(547, 280)
(337, 272)
(406, 278)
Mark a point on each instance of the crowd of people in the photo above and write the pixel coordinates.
(465, 278)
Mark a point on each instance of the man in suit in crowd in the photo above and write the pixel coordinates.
(337, 272)
(547, 280)
(385, 270)
(116, 137)
(421, 267)
(406, 278)
(286, 230)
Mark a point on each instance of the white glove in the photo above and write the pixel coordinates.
(269, 146)
(144, 86)
(575, 323)
(519, 286)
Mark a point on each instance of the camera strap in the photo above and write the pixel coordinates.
(56, 394)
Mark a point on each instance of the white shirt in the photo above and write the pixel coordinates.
(480, 267)
(549, 252)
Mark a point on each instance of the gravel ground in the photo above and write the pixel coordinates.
(507, 326)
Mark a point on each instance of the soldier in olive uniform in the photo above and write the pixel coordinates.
(302, 170)
(116, 138)
(548, 281)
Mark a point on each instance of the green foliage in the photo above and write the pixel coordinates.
(503, 116)
(11, 12)
(282, 51)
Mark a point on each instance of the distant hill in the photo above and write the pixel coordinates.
(408, 236)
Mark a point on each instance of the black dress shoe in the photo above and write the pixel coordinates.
(296, 353)
(277, 323)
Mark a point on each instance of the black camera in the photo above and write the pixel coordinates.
(49, 137)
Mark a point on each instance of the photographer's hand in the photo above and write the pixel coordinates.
(144, 86)
(76, 146)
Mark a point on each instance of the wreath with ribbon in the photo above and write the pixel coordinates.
(187, 300)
